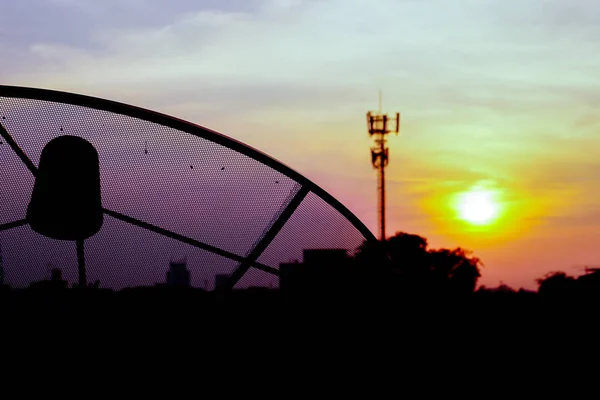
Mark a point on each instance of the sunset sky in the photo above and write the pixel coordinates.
(500, 95)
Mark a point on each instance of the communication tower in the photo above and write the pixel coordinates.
(380, 126)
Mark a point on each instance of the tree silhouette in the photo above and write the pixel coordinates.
(455, 269)
(556, 283)
(502, 288)
(416, 268)
(589, 282)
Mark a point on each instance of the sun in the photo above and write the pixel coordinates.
(478, 206)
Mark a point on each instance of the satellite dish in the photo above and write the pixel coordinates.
(182, 200)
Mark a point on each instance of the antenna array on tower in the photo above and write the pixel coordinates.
(379, 126)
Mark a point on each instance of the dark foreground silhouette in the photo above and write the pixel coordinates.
(420, 295)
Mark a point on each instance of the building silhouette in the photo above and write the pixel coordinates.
(178, 274)
(220, 279)
(321, 269)
(324, 257)
(56, 281)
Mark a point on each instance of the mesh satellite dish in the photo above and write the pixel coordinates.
(140, 188)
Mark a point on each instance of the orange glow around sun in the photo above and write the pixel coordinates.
(482, 213)
(479, 214)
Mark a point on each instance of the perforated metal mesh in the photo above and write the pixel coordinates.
(29, 257)
(180, 182)
(137, 257)
(16, 183)
(314, 225)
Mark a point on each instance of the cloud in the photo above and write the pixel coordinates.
(431, 49)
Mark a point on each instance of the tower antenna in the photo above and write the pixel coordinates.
(379, 126)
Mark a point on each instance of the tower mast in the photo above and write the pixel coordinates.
(379, 126)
